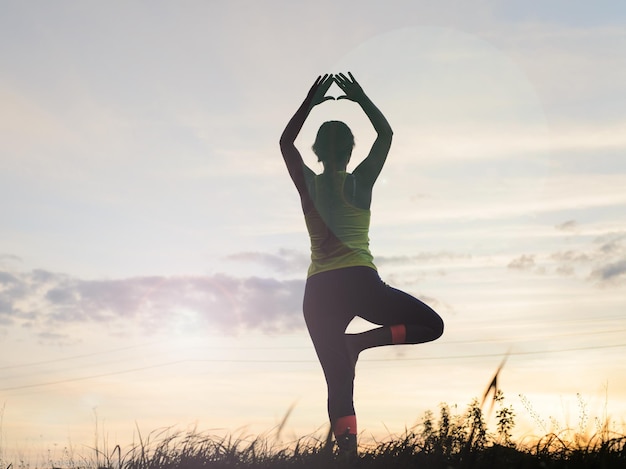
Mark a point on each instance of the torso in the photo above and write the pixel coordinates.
(338, 219)
(354, 193)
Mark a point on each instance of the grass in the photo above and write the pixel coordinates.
(448, 441)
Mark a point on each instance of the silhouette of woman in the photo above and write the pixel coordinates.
(342, 280)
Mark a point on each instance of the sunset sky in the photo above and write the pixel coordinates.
(153, 252)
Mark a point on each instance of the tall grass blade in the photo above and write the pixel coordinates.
(284, 421)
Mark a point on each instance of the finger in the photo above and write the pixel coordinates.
(351, 77)
(341, 83)
(320, 79)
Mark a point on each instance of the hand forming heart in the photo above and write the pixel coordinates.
(319, 89)
(349, 86)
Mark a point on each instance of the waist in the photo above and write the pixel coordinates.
(346, 259)
(343, 272)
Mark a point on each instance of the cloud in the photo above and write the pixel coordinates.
(524, 262)
(9, 259)
(604, 260)
(420, 258)
(606, 248)
(565, 270)
(611, 272)
(286, 261)
(570, 225)
(570, 256)
(57, 338)
(610, 256)
(7, 279)
(51, 302)
(611, 243)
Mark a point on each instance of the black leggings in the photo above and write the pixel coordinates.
(332, 299)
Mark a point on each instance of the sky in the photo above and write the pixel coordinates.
(152, 249)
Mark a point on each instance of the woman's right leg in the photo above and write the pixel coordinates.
(404, 318)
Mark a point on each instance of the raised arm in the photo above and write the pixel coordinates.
(368, 170)
(298, 171)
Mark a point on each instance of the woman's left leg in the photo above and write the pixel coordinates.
(326, 312)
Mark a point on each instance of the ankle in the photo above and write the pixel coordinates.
(398, 334)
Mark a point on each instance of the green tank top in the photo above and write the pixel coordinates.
(339, 231)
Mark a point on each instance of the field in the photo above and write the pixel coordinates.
(445, 441)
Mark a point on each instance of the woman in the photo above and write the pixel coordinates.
(342, 280)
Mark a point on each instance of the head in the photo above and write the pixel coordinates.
(333, 144)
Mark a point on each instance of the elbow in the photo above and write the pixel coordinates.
(285, 142)
(385, 129)
(386, 133)
(285, 147)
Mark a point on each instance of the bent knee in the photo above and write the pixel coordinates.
(438, 328)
